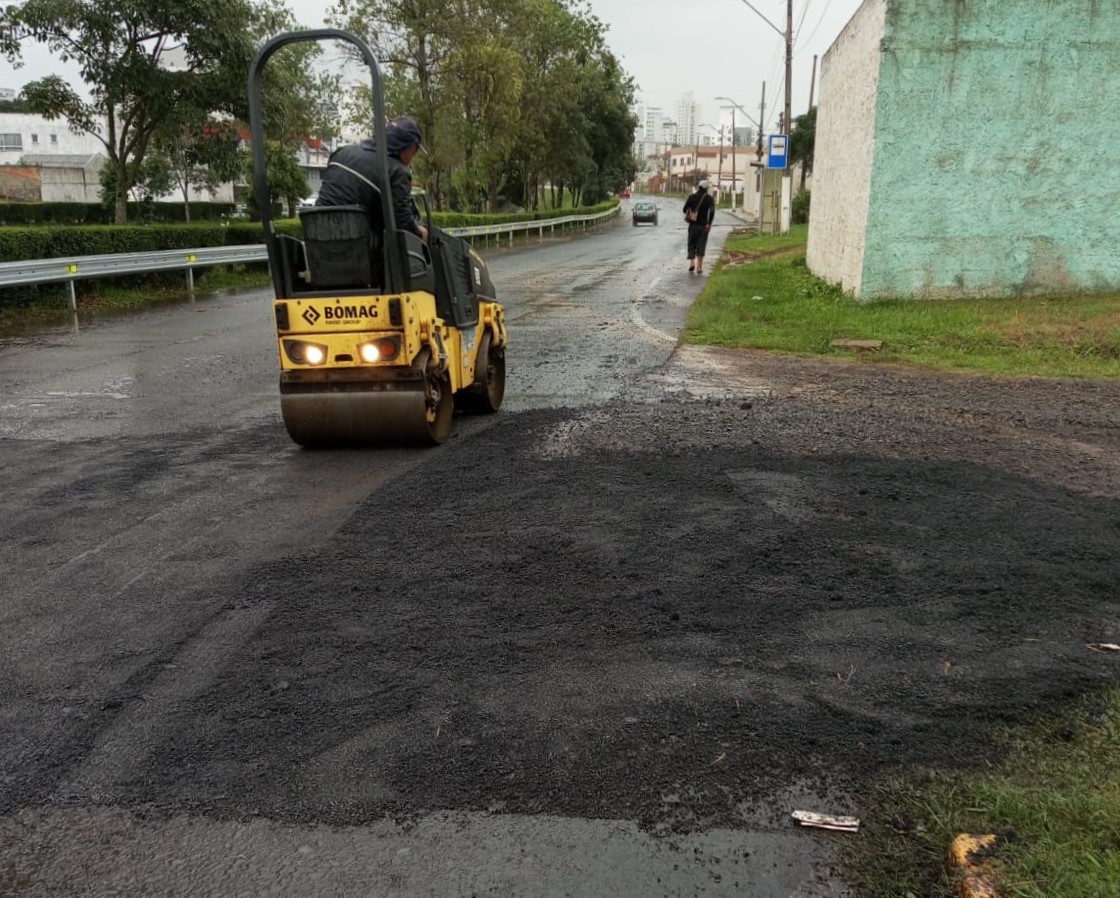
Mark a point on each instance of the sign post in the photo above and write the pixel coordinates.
(778, 158)
(779, 151)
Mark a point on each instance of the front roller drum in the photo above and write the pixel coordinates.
(325, 419)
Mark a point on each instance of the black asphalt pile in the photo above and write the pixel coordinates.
(650, 612)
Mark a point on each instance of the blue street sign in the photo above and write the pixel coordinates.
(779, 151)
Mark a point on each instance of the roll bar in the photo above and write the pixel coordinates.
(394, 271)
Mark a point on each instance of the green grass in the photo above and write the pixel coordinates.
(1055, 796)
(773, 303)
(95, 298)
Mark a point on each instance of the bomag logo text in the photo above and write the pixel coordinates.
(337, 313)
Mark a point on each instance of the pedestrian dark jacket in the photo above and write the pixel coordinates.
(707, 208)
(350, 176)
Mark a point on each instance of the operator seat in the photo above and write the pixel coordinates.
(343, 251)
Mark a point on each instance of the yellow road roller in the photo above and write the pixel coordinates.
(380, 334)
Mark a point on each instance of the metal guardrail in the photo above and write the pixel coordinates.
(74, 268)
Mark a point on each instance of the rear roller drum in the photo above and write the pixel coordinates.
(485, 396)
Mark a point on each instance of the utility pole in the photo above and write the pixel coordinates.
(761, 168)
(733, 154)
(813, 82)
(719, 171)
(789, 66)
(761, 120)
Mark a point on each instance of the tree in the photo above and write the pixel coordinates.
(511, 94)
(286, 181)
(121, 49)
(802, 142)
(199, 156)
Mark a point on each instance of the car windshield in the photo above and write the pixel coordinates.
(643, 207)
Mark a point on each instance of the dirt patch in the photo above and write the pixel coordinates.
(732, 258)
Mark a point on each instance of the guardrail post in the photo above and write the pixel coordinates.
(511, 239)
(73, 296)
(190, 284)
(542, 234)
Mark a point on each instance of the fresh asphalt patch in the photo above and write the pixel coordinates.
(592, 617)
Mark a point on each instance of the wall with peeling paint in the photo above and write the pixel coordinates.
(845, 146)
(996, 149)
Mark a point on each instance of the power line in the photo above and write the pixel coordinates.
(804, 13)
(819, 21)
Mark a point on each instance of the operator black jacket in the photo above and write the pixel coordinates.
(349, 179)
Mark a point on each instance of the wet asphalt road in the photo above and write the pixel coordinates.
(148, 482)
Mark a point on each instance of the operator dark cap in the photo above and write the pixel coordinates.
(407, 127)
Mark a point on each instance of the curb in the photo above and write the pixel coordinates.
(973, 866)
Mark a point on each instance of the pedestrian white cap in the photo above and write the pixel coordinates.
(703, 185)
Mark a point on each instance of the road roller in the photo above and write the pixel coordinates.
(381, 336)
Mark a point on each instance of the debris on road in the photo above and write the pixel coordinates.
(1102, 647)
(865, 345)
(826, 821)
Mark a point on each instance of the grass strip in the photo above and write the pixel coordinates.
(100, 298)
(1054, 797)
(762, 296)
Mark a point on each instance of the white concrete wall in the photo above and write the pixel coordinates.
(844, 151)
(71, 185)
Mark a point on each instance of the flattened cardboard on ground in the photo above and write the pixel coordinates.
(857, 344)
(826, 821)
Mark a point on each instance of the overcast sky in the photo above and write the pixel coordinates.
(707, 47)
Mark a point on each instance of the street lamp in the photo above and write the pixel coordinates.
(697, 148)
(734, 155)
(787, 36)
(762, 115)
(719, 131)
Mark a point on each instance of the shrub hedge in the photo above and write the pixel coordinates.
(50, 242)
(94, 214)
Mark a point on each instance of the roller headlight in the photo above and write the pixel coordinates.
(301, 352)
(380, 350)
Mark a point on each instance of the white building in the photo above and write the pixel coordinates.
(22, 133)
(688, 118)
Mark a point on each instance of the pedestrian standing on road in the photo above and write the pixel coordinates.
(699, 212)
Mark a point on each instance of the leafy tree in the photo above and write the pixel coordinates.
(802, 142)
(153, 179)
(511, 94)
(287, 182)
(199, 156)
(297, 101)
(121, 49)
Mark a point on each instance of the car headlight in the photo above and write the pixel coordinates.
(381, 350)
(303, 353)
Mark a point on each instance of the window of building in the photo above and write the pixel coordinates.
(54, 138)
(11, 142)
(34, 138)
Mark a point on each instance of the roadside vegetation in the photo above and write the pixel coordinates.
(1054, 798)
(44, 304)
(762, 296)
(514, 96)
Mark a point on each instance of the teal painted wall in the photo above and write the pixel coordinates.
(996, 167)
